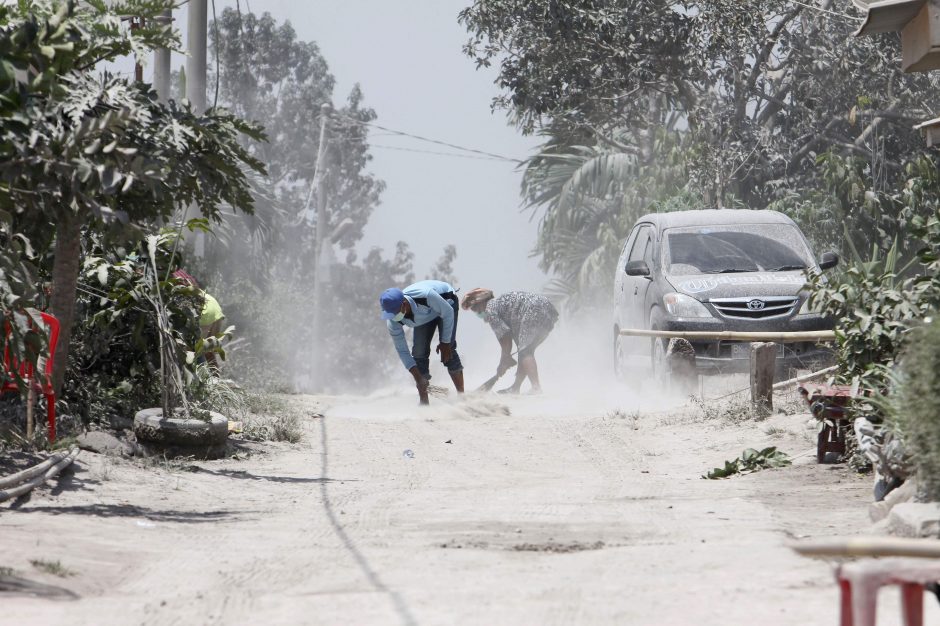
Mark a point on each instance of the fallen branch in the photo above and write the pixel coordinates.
(805, 377)
(52, 472)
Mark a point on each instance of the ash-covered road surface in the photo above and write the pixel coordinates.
(460, 513)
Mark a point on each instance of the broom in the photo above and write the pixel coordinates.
(492, 381)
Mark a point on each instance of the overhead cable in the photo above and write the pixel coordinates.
(434, 152)
(401, 133)
(822, 10)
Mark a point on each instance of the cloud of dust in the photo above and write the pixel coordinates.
(575, 368)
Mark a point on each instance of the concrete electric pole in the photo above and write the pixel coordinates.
(161, 63)
(196, 63)
(198, 24)
(321, 240)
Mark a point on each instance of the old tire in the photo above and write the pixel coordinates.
(178, 436)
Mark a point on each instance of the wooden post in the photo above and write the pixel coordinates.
(763, 362)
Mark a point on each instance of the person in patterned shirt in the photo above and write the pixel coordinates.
(520, 317)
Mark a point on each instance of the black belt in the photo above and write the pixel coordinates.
(450, 295)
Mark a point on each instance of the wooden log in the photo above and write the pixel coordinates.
(53, 471)
(32, 472)
(730, 335)
(763, 365)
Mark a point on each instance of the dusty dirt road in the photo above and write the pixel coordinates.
(386, 514)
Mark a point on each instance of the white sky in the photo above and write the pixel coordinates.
(406, 55)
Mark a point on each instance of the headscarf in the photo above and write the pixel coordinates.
(476, 296)
(184, 276)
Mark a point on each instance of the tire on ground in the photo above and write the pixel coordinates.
(178, 436)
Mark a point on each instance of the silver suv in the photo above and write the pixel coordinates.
(716, 270)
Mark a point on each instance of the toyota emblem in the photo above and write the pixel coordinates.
(756, 305)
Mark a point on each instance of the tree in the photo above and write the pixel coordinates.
(444, 268)
(740, 97)
(266, 73)
(79, 151)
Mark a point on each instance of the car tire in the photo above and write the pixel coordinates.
(659, 364)
(620, 358)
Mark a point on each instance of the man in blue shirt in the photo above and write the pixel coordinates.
(426, 306)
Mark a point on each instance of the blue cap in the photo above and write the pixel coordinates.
(391, 300)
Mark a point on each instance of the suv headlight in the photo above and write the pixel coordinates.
(681, 305)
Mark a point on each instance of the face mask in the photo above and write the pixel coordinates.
(398, 317)
(481, 314)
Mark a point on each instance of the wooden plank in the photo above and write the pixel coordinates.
(730, 335)
(868, 546)
(763, 361)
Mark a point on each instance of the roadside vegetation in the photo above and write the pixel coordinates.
(99, 183)
(747, 105)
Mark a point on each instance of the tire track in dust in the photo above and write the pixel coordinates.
(401, 607)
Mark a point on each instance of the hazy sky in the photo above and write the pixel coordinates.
(406, 55)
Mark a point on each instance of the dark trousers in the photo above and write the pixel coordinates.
(421, 350)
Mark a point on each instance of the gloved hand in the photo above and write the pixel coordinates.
(422, 384)
(505, 364)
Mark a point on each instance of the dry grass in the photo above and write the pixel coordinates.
(52, 567)
(271, 418)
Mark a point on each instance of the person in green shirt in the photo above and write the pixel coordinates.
(211, 317)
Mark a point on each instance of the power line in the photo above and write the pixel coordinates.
(822, 10)
(402, 133)
(434, 152)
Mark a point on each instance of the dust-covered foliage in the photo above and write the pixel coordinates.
(751, 104)
(914, 412)
(117, 329)
(750, 461)
(85, 154)
(24, 340)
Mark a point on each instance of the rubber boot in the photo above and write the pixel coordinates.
(457, 377)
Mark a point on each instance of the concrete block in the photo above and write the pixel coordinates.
(915, 519)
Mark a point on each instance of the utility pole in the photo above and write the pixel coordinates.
(161, 62)
(136, 24)
(196, 63)
(321, 239)
(196, 81)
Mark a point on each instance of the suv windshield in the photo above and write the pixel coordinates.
(734, 248)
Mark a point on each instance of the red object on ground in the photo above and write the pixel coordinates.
(43, 385)
(860, 581)
(828, 404)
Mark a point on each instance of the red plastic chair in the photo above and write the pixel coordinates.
(43, 386)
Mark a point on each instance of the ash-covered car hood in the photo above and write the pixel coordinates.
(706, 286)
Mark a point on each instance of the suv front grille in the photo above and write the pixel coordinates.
(757, 308)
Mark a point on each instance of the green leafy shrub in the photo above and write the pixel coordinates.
(115, 359)
(873, 306)
(918, 406)
(21, 334)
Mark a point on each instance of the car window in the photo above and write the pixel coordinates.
(641, 244)
(735, 248)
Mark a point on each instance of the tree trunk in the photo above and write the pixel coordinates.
(68, 248)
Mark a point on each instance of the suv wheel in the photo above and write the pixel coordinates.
(620, 358)
(659, 362)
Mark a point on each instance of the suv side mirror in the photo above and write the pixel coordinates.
(828, 260)
(637, 268)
